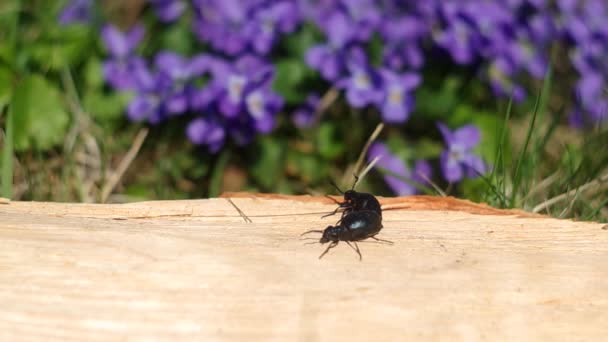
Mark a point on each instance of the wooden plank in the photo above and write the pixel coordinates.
(176, 270)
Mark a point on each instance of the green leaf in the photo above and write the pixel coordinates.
(289, 75)
(329, 141)
(93, 74)
(105, 107)
(307, 166)
(439, 103)
(40, 118)
(177, 38)
(6, 86)
(139, 191)
(215, 186)
(299, 42)
(268, 166)
(399, 146)
(375, 49)
(58, 47)
(428, 149)
(7, 156)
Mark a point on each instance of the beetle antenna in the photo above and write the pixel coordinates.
(312, 231)
(335, 186)
(355, 182)
(365, 171)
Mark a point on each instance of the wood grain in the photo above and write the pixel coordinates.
(195, 270)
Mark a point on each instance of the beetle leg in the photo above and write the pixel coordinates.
(356, 249)
(331, 245)
(382, 240)
(332, 213)
(333, 199)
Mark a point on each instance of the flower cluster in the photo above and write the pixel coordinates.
(456, 161)
(234, 27)
(235, 99)
(584, 27)
(401, 179)
(372, 51)
(349, 26)
(76, 11)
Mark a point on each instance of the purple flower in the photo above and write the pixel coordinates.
(176, 71)
(397, 102)
(528, 57)
(119, 44)
(339, 30)
(458, 158)
(362, 86)
(166, 91)
(236, 80)
(365, 16)
(329, 61)
(123, 64)
(205, 132)
(402, 37)
(263, 105)
(304, 116)
(220, 23)
(268, 22)
(235, 27)
(76, 11)
(399, 177)
(422, 172)
(499, 73)
(459, 39)
(148, 101)
(168, 10)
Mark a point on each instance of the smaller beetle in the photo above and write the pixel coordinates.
(356, 226)
(355, 201)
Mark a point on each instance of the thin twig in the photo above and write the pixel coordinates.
(247, 219)
(326, 101)
(541, 186)
(433, 184)
(596, 185)
(369, 142)
(366, 170)
(567, 210)
(124, 164)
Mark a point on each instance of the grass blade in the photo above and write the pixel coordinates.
(540, 105)
(215, 185)
(7, 157)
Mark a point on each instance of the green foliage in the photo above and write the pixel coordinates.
(6, 86)
(439, 103)
(40, 118)
(290, 74)
(7, 157)
(216, 177)
(267, 164)
(298, 43)
(330, 141)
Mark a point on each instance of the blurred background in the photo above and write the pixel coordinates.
(497, 101)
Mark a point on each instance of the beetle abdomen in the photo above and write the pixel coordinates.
(361, 225)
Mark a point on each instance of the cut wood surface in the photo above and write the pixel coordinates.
(196, 270)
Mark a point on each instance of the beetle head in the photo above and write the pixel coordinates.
(329, 234)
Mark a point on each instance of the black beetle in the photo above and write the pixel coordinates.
(355, 201)
(353, 227)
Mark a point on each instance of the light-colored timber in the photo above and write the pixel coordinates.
(196, 270)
